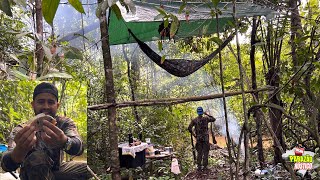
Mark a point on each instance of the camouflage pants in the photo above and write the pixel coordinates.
(37, 166)
(203, 148)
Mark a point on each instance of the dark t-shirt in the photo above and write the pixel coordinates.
(201, 127)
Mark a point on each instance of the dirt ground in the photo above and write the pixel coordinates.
(219, 167)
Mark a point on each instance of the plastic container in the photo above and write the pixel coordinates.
(3, 148)
(169, 150)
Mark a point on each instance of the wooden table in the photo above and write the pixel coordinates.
(132, 156)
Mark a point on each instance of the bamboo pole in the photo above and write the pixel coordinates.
(171, 101)
(224, 104)
(245, 132)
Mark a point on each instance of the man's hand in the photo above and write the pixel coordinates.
(52, 135)
(25, 139)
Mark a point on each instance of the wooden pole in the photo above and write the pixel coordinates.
(110, 94)
(170, 101)
(39, 29)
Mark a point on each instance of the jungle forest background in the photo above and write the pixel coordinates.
(279, 54)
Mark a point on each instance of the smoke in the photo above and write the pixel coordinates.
(196, 84)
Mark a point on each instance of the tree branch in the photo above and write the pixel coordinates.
(170, 101)
(274, 106)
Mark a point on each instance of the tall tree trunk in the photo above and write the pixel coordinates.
(295, 27)
(273, 79)
(258, 115)
(113, 129)
(39, 28)
(271, 53)
(309, 100)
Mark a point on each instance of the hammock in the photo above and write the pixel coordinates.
(179, 67)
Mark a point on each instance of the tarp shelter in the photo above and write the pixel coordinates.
(144, 26)
(201, 22)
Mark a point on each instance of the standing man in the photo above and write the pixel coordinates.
(202, 136)
(39, 154)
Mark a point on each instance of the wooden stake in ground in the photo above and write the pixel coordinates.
(193, 150)
(92, 173)
(245, 132)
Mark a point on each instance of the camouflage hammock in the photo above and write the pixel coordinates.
(179, 67)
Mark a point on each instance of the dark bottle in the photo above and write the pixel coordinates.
(130, 138)
(140, 136)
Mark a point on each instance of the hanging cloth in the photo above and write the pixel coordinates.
(179, 67)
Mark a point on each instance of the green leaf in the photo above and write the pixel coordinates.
(80, 35)
(55, 75)
(47, 52)
(265, 110)
(231, 24)
(73, 53)
(5, 7)
(77, 5)
(117, 11)
(161, 11)
(22, 34)
(205, 29)
(219, 11)
(31, 63)
(19, 75)
(166, 23)
(217, 40)
(213, 13)
(13, 56)
(163, 58)
(98, 10)
(174, 26)
(160, 47)
(182, 7)
(277, 106)
(22, 3)
(215, 3)
(49, 9)
(159, 16)
(260, 43)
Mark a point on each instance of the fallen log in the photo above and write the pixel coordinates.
(172, 101)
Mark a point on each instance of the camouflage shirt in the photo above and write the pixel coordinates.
(201, 127)
(56, 154)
